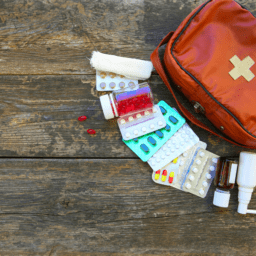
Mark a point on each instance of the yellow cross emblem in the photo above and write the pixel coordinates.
(242, 68)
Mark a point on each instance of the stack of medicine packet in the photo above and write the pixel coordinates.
(174, 152)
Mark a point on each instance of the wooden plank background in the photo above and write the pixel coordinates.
(65, 192)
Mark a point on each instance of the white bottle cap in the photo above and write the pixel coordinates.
(221, 198)
(106, 107)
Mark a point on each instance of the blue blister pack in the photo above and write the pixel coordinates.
(146, 146)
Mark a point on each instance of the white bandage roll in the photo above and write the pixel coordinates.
(128, 67)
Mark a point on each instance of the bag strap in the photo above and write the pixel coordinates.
(160, 70)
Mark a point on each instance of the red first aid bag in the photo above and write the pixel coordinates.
(211, 58)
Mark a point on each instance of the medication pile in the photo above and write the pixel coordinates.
(156, 133)
(160, 136)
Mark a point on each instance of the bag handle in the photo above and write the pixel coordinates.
(160, 70)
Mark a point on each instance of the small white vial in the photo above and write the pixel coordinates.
(201, 191)
(188, 186)
(138, 116)
(127, 135)
(122, 121)
(136, 132)
(182, 143)
(121, 84)
(112, 85)
(185, 154)
(160, 123)
(146, 113)
(191, 177)
(130, 119)
(152, 126)
(201, 154)
(205, 184)
(153, 163)
(158, 160)
(155, 155)
(168, 153)
(208, 176)
(215, 160)
(169, 145)
(144, 129)
(131, 84)
(198, 161)
(102, 85)
(163, 156)
(164, 148)
(194, 170)
(181, 163)
(212, 168)
(154, 110)
(172, 150)
(177, 146)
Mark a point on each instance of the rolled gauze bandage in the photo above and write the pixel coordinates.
(128, 67)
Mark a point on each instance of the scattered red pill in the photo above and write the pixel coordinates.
(82, 118)
(91, 131)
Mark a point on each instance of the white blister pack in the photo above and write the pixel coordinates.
(108, 81)
(179, 166)
(180, 142)
(168, 174)
(200, 173)
(140, 123)
(192, 172)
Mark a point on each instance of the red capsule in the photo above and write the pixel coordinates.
(91, 131)
(82, 118)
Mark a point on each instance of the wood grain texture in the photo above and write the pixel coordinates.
(57, 36)
(39, 119)
(104, 203)
(111, 206)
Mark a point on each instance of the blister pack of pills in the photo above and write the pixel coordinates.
(180, 142)
(140, 123)
(168, 175)
(177, 168)
(200, 173)
(146, 146)
(107, 81)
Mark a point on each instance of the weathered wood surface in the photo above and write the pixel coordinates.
(56, 36)
(39, 119)
(105, 202)
(111, 206)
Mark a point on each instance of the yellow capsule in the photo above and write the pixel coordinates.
(172, 174)
(175, 160)
(163, 178)
(157, 175)
(164, 174)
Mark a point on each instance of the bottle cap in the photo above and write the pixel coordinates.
(106, 107)
(221, 198)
